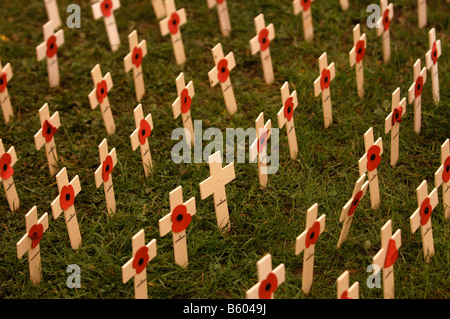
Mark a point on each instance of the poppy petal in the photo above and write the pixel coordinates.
(425, 211)
(141, 259)
(67, 197)
(263, 39)
(180, 218)
(222, 67)
(262, 141)
(397, 115)
(6, 170)
(173, 23)
(446, 172)
(360, 50)
(386, 20)
(306, 4)
(325, 79)
(35, 234)
(144, 131)
(434, 53)
(185, 101)
(107, 168)
(268, 286)
(48, 130)
(355, 203)
(102, 90)
(106, 7)
(3, 82)
(52, 47)
(289, 108)
(419, 86)
(136, 57)
(391, 254)
(373, 157)
(313, 234)
(344, 295)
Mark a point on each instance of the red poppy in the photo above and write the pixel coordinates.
(344, 295)
(434, 53)
(262, 141)
(222, 67)
(106, 7)
(325, 79)
(355, 203)
(425, 211)
(397, 115)
(180, 218)
(289, 108)
(107, 168)
(102, 90)
(391, 254)
(144, 131)
(446, 172)
(6, 170)
(35, 234)
(419, 86)
(313, 234)
(263, 39)
(373, 157)
(48, 130)
(67, 197)
(174, 22)
(136, 58)
(268, 286)
(52, 47)
(219, 1)
(386, 20)
(360, 50)
(3, 81)
(185, 101)
(141, 259)
(305, 4)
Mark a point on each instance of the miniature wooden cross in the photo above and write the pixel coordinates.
(431, 58)
(64, 202)
(220, 74)
(177, 221)
(286, 117)
(49, 49)
(182, 105)
(158, 7)
(137, 266)
(350, 207)
(268, 280)
(322, 85)
(392, 123)
(103, 174)
(45, 136)
(442, 177)
(105, 9)
(222, 12)
(422, 13)
(344, 4)
(356, 56)
(258, 149)
(261, 43)
(343, 290)
(30, 242)
(7, 161)
(304, 6)
(51, 6)
(99, 96)
(422, 218)
(133, 60)
(171, 24)
(144, 128)
(415, 94)
(369, 163)
(386, 257)
(215, 185)
(5, 101)
(305, 243)
(382, 26)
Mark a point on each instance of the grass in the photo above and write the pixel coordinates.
(262, 221)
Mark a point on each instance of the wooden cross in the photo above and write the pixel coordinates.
(177, 221)
(105, 9)
(222, 12)
(304, 6)
(386, 257)
(415, 94)
(261, 43)
(322, 85)
(45, 136)
(144, 128)
(369, 163)
(215, 185)
(442, 177)
(99, 96)
(431, 58)
(64, 202)
(344, 4)
(182, 105)
(171, 24)
(305, 243)
(30, 242)
(49, 49)
(158, 7)
(268, 280)
(51, 6)
(7, 161)
(133, 61)
(422, 217)
(382, 26)
(356, 56)
(103, 174)
(422, 13)
(392, 123)
(5, 100)
(220, 74)
(350, 207)
(343, 290)
(258, 149)
(137, 266)
(286, 117)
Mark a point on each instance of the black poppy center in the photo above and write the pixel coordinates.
(312, 235)
(102, 90)
(5, 167)
(372, 157)
(141, 261)
(355, 202)
(435, 53)
(397, 115)
(106, 6)
(185, 99)
(174, 22)
(305, 1)
(447, 168)
(223, 69)
(107, 168)
(326, 79)
(143, 132)
(49, 130)
(67, 197)
(262, 140)
(426, 211)
(52, 46)
(268, 286)
(35, 235)
(179, 217)
(418, 86)
(1, 81)
(386, 20)
(136, 56)
(264, 40)
(359, 50)
(289, 109)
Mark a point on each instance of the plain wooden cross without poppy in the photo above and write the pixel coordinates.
(442, 177)
(261, 43)
(268, 280)
(139, 137)
(45, 136)
(431, 58)
(177, 221)
(105, 9)
(415, 94)
(349, 208)
(215, 185)
(133, 60)
(7, 161)
(222, 13)
(5, 101)
(171, 24)
(30, 242)
(182, 105)
(103, 174)
(158, 7)
(137, 266)
(306, 243)
(422, 13)
(422, 217)
(304, 6)
(356, 56)
(344, 4)
(258, 149)
(392, 123)
(386, 258)
(49, 50)
(285, 116)
(221, 74)
(51, 6)
(322, 85)
(99, 96)
(369, 163)
(64, 202)
(382, 26)
(343, 289)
